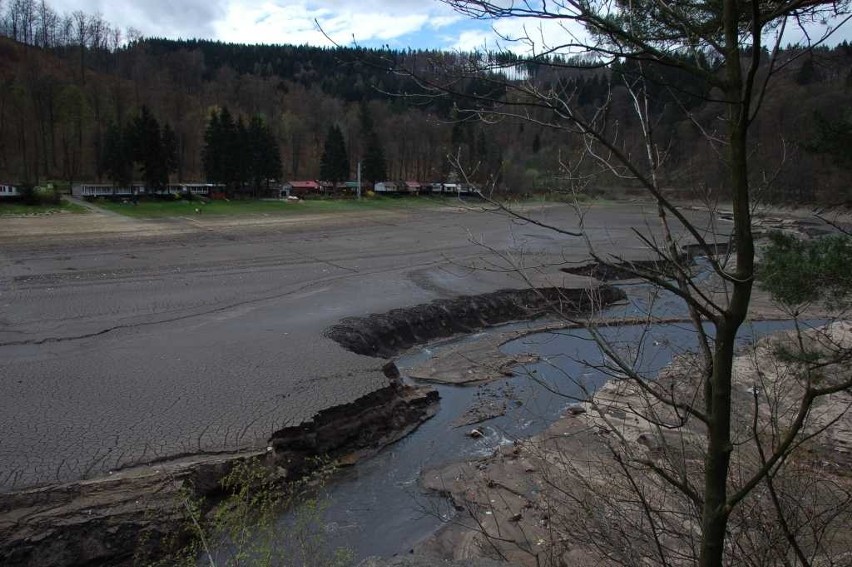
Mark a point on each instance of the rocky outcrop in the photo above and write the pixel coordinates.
(388, 334)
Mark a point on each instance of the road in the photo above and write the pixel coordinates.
(125, 341)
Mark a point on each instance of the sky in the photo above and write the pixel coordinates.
(369, 23)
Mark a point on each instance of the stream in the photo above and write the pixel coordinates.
(378, 508)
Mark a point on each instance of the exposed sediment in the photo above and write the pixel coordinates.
(106, 520)
(390, 333)
(100, 521)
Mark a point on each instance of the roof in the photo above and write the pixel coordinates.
(412, 184)
(303, 184)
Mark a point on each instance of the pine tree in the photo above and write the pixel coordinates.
(334, 166)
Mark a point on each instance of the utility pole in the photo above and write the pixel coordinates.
(359, 179)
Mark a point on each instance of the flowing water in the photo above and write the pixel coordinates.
(378, 508)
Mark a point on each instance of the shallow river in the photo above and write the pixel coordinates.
(377, 508)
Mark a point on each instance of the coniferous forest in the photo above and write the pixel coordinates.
(83, 101)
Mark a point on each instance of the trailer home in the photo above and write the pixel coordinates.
(8, 191)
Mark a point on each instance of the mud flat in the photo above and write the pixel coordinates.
(177, 344)
(106, 520)
(102, 520)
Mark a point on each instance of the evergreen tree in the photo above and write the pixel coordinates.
(118, 155)
(169, 145)
(211, 155)
(334, 166)
(228, 145)
(807, 73)
(147, 147)
(240, 155)
(374, 167)
(833, 138)
(265, 157)
(223, 157)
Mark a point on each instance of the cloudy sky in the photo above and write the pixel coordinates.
(370, 23)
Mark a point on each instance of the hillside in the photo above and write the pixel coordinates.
(58, 100)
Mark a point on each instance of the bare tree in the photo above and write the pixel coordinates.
(733, 48)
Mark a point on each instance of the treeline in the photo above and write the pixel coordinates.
(66, 102)
(141, 143)
(240, 156)
(35, 22)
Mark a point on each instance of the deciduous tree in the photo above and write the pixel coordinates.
(723, 46)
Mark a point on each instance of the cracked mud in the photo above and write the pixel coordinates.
(125, 342)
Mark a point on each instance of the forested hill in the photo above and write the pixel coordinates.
(65, 82)
(352, 74)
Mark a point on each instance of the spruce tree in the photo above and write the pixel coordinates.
(228, 145)
(265, 157)
(334, 166)
(148, 150)
(169, 147)
(374, 167)
(240, 155)
(118, 156)
(211, 155)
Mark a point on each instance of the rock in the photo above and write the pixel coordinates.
(575, 409)
(475, 433)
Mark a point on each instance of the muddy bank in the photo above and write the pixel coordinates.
(616, 271)
(105, 520)
(388, 334)
(101, 521)
(481, 360)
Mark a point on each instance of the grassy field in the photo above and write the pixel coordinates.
(161, 209)
(21, 209)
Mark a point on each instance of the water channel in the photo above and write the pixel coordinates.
(377, 507)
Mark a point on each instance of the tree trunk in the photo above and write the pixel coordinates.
(716, 511)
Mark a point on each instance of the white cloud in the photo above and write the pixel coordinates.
(272, 21)
(398, 22)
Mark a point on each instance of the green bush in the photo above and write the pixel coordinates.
(47, 195)
(39, 195)
(800, 272)
(245, 527)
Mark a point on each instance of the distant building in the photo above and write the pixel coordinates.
(8, 191)
(300, 188)
(95, 190)
(386, 187)
(413, 187)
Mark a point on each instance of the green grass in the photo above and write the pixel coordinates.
(162, 209)
(21, 209)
